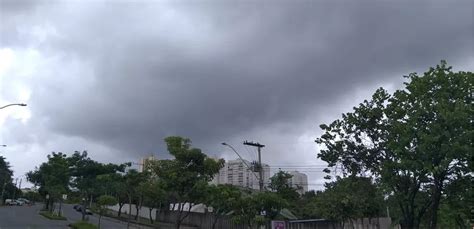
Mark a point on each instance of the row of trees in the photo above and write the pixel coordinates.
(176, 184)
(410, 151)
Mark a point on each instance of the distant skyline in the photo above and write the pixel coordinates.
(116, 77)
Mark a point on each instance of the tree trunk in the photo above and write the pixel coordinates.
(435, 205)
(178, 218)
(60, 205)
(137, 211)
(120, 209)
(150, 209)
(129, 210)
(100, 216)
(214, 222)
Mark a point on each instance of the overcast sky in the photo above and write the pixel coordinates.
(116, 77)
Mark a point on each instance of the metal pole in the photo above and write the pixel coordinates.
(14, 190)
(260, 170)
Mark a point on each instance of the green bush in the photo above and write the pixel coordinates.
(49, 215)
(83, 225)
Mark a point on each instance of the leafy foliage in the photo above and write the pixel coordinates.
(280, 183)
(349, 198)
(186, 177)
(222, 199)
(418, 140)
(6, 182)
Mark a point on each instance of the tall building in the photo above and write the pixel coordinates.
(145, 161)
(236, 172)
(299, 181)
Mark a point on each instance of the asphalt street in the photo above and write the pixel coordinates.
(26, 217)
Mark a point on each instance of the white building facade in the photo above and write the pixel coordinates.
(236, 172)
(145, 161)
(299, 181)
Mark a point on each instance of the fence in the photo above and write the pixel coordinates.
(376, 223)
(205, 220)
(200, 220)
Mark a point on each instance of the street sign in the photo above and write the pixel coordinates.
(64, 197)
(278, 224)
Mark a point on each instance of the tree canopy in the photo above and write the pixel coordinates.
(416, 140)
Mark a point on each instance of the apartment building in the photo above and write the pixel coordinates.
(237, 173)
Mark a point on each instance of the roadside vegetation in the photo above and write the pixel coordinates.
(408, 152)
(83, 225)
(52, 216)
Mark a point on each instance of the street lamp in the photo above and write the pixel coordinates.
(14, 104)
(245, 163)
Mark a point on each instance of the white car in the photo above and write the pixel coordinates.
(11, 202)
(23, 200)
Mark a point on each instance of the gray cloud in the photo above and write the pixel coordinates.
(129, 74)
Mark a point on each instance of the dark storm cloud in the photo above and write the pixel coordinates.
(213, 71)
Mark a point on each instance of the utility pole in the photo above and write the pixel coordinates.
(14, 190)
(260, 167)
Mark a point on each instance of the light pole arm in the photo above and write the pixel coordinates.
(14, 104)
(245, 163)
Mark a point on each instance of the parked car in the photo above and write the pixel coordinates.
(12, 202)
(78, 208)
(19, 202)
(25, 201)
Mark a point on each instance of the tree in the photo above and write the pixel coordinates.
(280, 183)
(132, 180)
(114, 184)
(85, 172)
(102, 203)
(246, 212)
(6, 182)
(349, 198)
(306, 206)
(53, 178)
(418, 140)
(154, 195)
(185, 177)
(222, 199)
(258, 209)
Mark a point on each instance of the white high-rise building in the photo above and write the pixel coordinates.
(235, 172)
(299, 181)
(145, 161)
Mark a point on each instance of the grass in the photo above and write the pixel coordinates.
(83, 225)
(49, 215)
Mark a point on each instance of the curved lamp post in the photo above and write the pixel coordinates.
(245, 163)
(14, 104)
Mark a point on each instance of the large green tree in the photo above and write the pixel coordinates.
(85, 172)
(281, 184)
(185, 177)
(6, 182)
(348, 199)
(154, 195)
(416, 140)
(52, 177)
(222, 199)
(103, 202)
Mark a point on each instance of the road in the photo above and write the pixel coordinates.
(27, 217)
